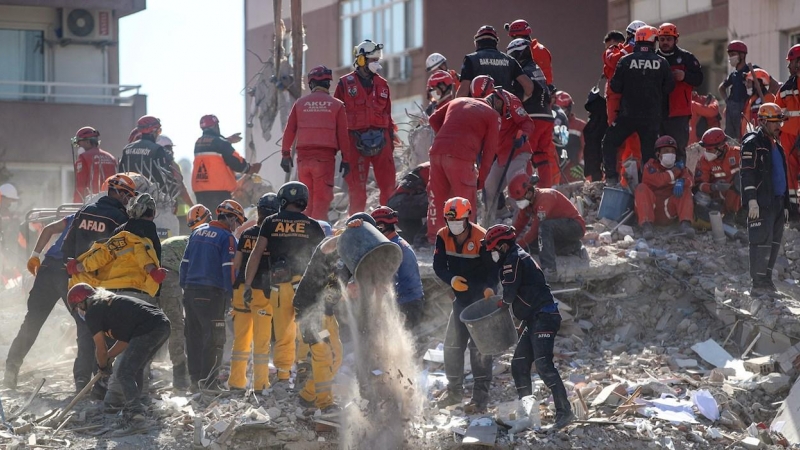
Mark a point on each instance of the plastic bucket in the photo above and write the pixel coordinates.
(615, 204)
(491, 328)
(364, 247)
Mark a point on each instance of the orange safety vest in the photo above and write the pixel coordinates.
(210, 173)
(365, 108)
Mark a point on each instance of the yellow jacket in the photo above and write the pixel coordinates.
(118, 263)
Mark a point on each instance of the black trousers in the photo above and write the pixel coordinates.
(212, 199)
(558, 236)
(619, 131)
(733, 119)
(678, 129)
(456, 341)
(765, 234)
(205, 330)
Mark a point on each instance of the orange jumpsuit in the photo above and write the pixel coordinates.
(750, 111)
(574, 169)
(724, 169)
(632, 147)
(542, 57)
(654, 200)
(789, 99)
(702, 107)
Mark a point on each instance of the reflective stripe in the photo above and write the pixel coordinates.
(227, 264)
(666, 209)
(461, 255)
(125, 252)
(184, 260)
(208, 153)
(575, 132)
(792, 113)
(787, 92)
(734, 170)
(671, 176)
(749, 188)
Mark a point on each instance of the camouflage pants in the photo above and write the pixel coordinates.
(171, 302)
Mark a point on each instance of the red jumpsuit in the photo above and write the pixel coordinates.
(92, 168)
(544, 151)
(513, 126)
(632, 147)
(653, 198)
(547, 204)
(788, 98)
(465, 128)
(542, 57)
(724, 169)
(574, 169)
(319, 123)
(703, 107)
(368, 108)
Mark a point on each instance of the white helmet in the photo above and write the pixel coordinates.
(9, 191)
(635, 25)
(517, 45)
(369, 49)
(434, 60)
(164, 140)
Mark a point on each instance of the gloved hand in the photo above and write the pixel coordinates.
(520, 141)
(355, 223)
(247, 295)
(72, 267)
(34, 263)
(720, 186)
(752, 209)
(677, 191)
(254, 168)
(680, 165)
(344, 168)
(286, 164)
(107, 370)
(488, 292)
(158, 274)
(459, 284)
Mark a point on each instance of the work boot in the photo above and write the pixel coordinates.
(194, 387)
(213, 385)
(131, 424)
(563, 419)
(687, 229)
(450, 398)
(10, 376)
(647, 231)
(180, 379)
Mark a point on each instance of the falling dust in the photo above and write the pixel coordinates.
(381, 343)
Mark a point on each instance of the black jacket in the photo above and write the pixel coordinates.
(472, 262)
(152, 161)
(524, 286)
(490, 61)
(538, 105)
(756, 173)
(92, 223)
(644, 79)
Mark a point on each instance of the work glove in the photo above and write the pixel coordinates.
(720, 186)
(520, 141)
(677, 191)
(752, 212)
(286, 164)
(344, 168)
(247, 295)
(107, 370)
(459, 284)
(34, 263)
(234, 138)
(680, 165)
(72, 267)
(488, 292)
(254, 168)
(158, 274)
(355, 223)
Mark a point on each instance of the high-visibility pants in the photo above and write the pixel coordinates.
(281, 298)
(251, 327)
(326, 358)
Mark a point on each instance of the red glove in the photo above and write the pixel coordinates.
(158, 275)
(72, 267)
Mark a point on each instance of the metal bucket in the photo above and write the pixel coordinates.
(615, 204)
(365, 246)
(491, 328)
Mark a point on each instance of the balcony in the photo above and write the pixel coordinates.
(57, 92)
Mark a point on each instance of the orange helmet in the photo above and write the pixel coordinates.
(497, 234)
(713, 137)
(481, 86)
(761, 75)
(668, 29)
(770, 112)
(457, 208)
(440, 76)
(384, 215)
(148, 124)
(198, 215)
(794, 52)
(232, 207)
(563, 99)
(520, 184)
(646, 34)
(122, 183)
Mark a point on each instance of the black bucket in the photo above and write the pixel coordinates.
(490, 326)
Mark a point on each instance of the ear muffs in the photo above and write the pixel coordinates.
(361, 60)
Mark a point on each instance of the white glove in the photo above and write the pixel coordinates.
(753, 209)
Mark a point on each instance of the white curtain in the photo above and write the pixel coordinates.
(21, 59)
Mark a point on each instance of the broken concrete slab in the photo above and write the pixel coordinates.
(763, 365)
(774, 383)
(787, 421)
(717, 356)
(788, 360)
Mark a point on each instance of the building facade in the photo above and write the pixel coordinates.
(59, 71)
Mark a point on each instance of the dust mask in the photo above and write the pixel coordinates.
(82, 314)
(668, 160)
(456, 226)
(374, 66)
(733, 60)
(495, 256)
(710, 156)
(522, 204)
(435, 95)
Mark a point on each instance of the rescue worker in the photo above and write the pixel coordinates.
(757, 96)
(252, 324)
(94, 222)
(789, 99)
(555, 227)
(290, 238)
(717, 171)
(688, 75)
(92, 166)
(206, 277)
(665, 192)
(216, 163)
(437, 61)
(441, 89)
(140, 330)
(575, 145)
(170, 299)
(319, 124)
(461, 261)
(407, 280)
(466, 129)
(49, 286)
(593, 134)
(644, 80)
(519, 29)
(764, 194)
(705, 115)
(487, 60)
(527, 294)
(410, 201)
(368, 106)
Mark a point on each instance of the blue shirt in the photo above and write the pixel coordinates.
(778, 172)
(407, 281)
(735, 81)
(55, 250)
(208, 259)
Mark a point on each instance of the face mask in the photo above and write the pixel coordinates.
(374, 67)
(733, 60)
(668, 160)
(710, 156)
(82, 314)
(436, 96)
(456, 226)
(522, 204)
(495, 256)
(749, 91)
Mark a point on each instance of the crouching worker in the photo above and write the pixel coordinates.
(527, 293)
(717, 174)
(140, 330)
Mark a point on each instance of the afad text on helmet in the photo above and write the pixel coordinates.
(493, 62)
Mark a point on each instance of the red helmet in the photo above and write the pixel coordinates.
(794, 52)
(666, 141)
(320, 73)
(457, 208)
(518, 28)
(232, 207)
(384, 215)
(134, 136)
(737, 46)
(86, 133)
(520, 184)
(486, 32)
(440, 76)
(78, 294)
(646, 34)
(481, 86)
(148, 124)
(497, 234)
(713, 137)
(208, 121)
(563, 99)
(668, 29)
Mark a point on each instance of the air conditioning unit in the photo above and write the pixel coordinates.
(86, 25)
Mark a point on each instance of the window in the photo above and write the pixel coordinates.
(21, 59)
(397, 24)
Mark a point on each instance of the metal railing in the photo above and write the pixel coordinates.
(59, 91)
